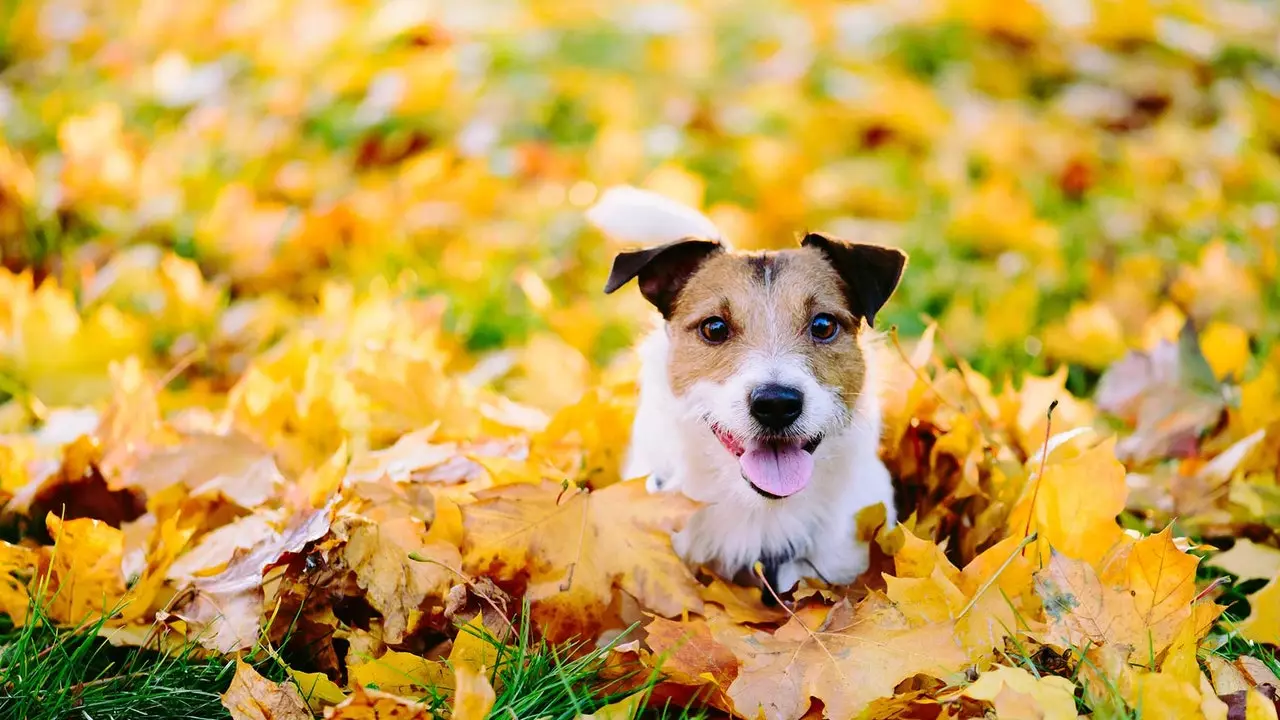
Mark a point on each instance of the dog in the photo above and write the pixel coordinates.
(757, 391)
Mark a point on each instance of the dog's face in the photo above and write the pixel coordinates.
(764, 346)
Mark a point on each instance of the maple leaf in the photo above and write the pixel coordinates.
(1263, 623)
(689, 654)
(1017, 693)
(1248, 560)
(253, 697)
(397, 585)
(1073, 505)
(1141, 609)
(855, 656)
(473, 696)
(577, 547)
(376, 705)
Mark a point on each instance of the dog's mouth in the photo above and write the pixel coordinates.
(775, 467)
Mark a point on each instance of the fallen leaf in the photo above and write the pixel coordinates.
(216, 549)
(253, 697)
(1248, 560)
(1073, 506)
(397, 586)
(688, 654)
(400, 673)
(1162, 584)
(1016, 693)
(317, 689)
(1263, 623)
(1083, 611)
(374, 705)
(473, 697)
(578, 546)
(855, 657)
(742, 604)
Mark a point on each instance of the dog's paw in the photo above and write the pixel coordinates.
(840, 564)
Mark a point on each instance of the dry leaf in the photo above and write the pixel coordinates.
(855, 657)
(1248, 561)
(577, 547)
(253, 697)
(397, 585)
(1016, 693)
(1263, 623)
(400, 673)
(375, 705)
(473, 697)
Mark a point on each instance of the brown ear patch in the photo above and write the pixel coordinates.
(870, 272)
(662, 271)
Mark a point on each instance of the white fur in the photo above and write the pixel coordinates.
(673, 445)
(646, 218)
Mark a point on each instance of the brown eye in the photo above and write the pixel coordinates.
(714, 330)
(823, 327)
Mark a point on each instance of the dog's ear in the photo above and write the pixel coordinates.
(870, 272)
(663, 270)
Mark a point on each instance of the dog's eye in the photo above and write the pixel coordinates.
(823, 327)
(714, 330)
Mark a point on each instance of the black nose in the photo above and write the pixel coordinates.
(776, 406)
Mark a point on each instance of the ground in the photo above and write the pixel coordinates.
(311, 402)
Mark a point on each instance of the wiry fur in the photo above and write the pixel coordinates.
(809, 534)
(813, 532)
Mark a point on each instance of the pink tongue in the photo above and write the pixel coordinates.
(780, 470)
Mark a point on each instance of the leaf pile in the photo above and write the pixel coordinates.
(301, 345)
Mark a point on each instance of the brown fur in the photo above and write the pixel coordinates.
(768, 300)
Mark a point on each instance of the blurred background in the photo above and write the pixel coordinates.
(189, 183)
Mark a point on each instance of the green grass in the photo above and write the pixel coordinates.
(50, 673)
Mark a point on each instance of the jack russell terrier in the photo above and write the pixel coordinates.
(757, 391)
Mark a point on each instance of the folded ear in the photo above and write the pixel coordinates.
(870, 272)
(662, 270)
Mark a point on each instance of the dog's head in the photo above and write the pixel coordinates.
(765, 346)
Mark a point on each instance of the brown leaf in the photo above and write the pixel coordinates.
(375, 705)
(473, 696)
(253, 697)
(396, 585)
(577, 547)
(245, 572)
(688, 654)
(233, 466)
(855, 657)
(222, 622)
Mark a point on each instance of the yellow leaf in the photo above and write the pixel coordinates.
(743, 604)
(1083, 611)
(1258, 706)
(253, 697)
(1164, 696)
(474, 646)
(1052, 697)
(1263, 623)
(376, 705)
(400, 673)
(855, 657)
(17, 564)
(317, 689)
(398, 585)
(1248, 560)
(1075, 507)
(84, 569)
(1226, 347)
(624, 709)
(473, 695)
(1162, 584)
(578, 546)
